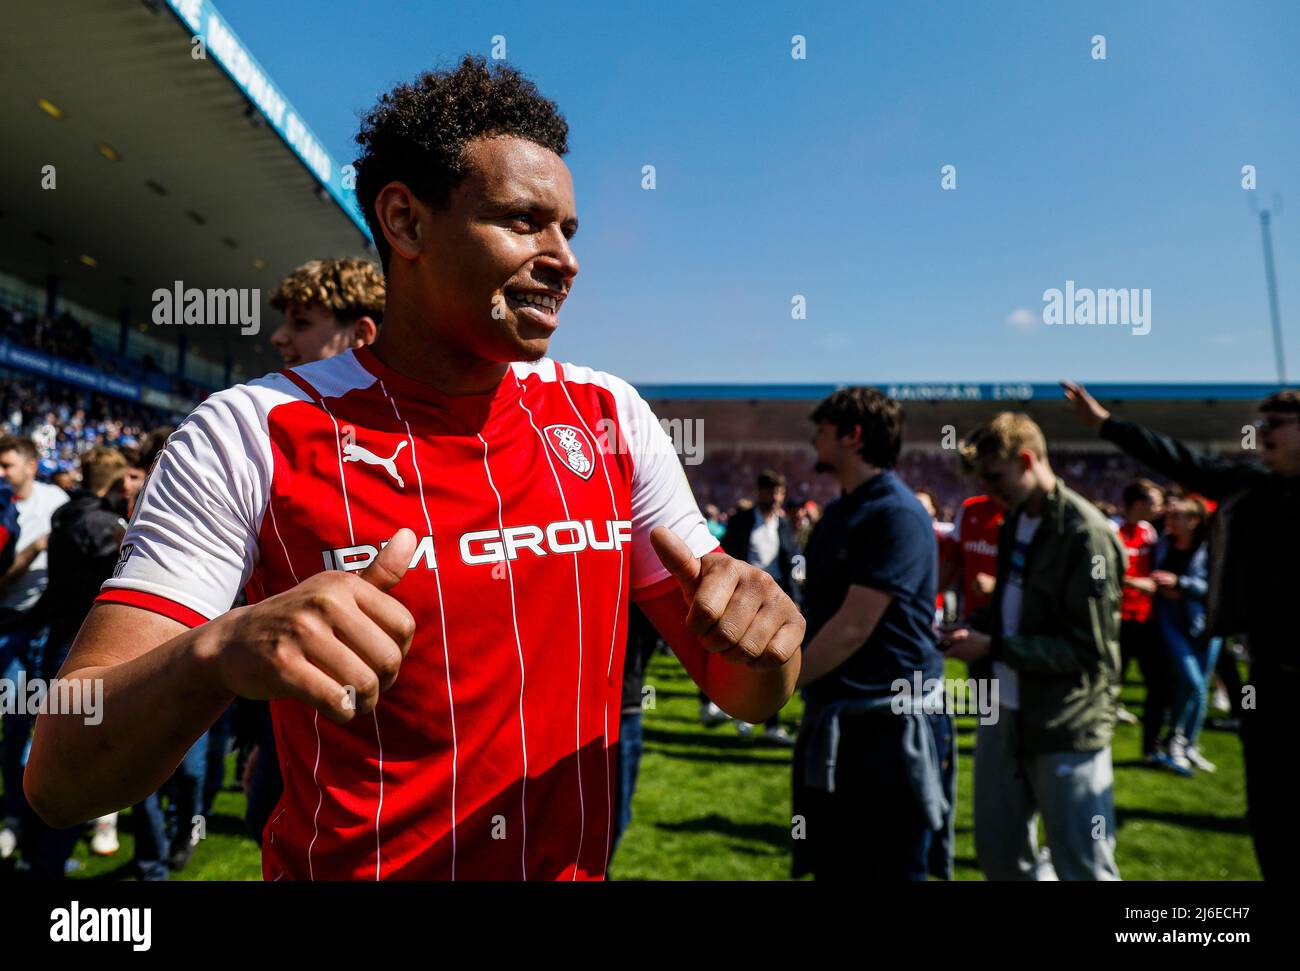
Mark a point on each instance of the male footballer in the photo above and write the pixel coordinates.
(440, 535)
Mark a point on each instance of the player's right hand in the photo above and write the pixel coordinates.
(1086, 408)
(334, 642)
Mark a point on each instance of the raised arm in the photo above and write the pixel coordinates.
(1210, 476)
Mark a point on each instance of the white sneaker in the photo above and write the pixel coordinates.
(8, 838)
(711, 714)
(1176, 753)
(778, 735)
(744, 729)
(104, 840)
(1221, 700)
(1194, 756)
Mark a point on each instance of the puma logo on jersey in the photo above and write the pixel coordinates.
(352, 452)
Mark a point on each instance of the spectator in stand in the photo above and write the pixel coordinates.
(329, 306)
(21, 644)
(1054, 642)
(1181, 575)
(1252, 573)
(1138, 638)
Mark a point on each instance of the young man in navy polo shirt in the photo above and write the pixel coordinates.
(873, 772)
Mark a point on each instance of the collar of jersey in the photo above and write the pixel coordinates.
(478, 403)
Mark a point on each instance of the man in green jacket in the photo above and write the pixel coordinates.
(1052, 633)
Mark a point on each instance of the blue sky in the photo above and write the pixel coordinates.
(821, 177)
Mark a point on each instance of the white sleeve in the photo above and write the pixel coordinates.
(661, 496)
(192, 539)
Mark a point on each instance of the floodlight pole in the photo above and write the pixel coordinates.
(1271, 280)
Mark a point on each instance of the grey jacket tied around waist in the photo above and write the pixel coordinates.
(821, 725)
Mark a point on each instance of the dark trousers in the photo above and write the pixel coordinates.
(1267, 736)
(1143, 642)
(871, 828)
(265, 784)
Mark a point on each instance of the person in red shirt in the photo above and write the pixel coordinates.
(970, 554)
(440, 534)
(1138, 638)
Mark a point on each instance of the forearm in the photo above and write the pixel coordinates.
(747, 692)
(151, 710)
(1210, 476)
(834, 644)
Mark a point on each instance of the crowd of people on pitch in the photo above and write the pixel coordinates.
(1033, 586)
(1049, 595)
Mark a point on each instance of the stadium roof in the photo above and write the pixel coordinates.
(167, 166)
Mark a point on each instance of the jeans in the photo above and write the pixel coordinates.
(1072, 791)
(20, 656)
(1193, 661)
(157, 828)
(629, 763)
(215, 770)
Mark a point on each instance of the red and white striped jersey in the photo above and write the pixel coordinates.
(492, 756)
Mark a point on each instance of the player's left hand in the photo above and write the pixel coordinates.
(736, 610)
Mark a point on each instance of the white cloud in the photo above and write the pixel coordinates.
(1023, 320)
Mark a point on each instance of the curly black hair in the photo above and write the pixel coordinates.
(417, 133)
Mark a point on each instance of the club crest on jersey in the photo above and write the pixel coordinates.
(352, 452)
(574, 447)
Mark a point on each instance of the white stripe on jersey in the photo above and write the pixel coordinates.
(514, 616)
(577, 587)
(613, 634)
(442, 617)
(352, 538)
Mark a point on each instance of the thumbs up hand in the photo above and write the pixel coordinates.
(736, 610)
(334, 642)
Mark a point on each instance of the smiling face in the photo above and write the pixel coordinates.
(494, 266)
